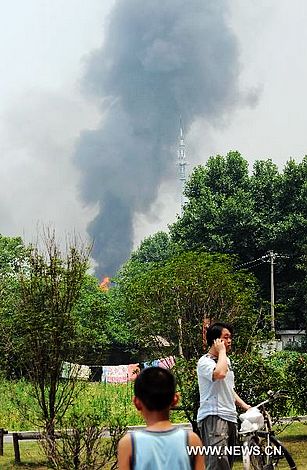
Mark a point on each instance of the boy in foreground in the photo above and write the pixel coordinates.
(160, 446)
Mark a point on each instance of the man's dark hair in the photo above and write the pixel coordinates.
(215, 331)
(155, 387)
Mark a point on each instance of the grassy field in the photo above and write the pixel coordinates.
(294, 437)
(31, 457)
(17, 404)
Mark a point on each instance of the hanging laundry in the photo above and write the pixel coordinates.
(104, 375)
(154, 363)
(167, 362)
(115, 374)
(65, 370)
(75, 371)
(133, 370)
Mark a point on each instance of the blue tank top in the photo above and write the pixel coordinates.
(160, 450)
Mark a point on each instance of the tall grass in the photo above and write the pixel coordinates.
(18, 408)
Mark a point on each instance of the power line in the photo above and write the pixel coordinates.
(263, 259)
(268, 258)
(253, 261)
(257, 264)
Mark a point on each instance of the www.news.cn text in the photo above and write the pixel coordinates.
(233, 450)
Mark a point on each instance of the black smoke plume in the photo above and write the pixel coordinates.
(160, 59)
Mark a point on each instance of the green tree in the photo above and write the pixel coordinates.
(296, 373)
(153, 249)
(99, 315)
(12, 252)
(124, 341)
(186, 289)
(230, 211)
(157, 247)
(171, 299)
(45, 332)
(90, 310)
(12, 256)
(91, 315)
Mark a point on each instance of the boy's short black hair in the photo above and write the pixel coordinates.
(155, 387)
(215, 331)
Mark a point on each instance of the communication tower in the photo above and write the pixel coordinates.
(182, 163)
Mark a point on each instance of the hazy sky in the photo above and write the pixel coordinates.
(46, 47)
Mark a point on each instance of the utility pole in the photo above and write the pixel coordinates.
(180, 341)
(269, 258)
(272, 256)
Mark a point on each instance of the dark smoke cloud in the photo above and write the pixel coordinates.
(160, 59)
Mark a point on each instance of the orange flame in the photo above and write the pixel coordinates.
(104, 285)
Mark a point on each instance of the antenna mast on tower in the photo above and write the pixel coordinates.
(182, 163)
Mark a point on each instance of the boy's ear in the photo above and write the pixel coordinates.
(175, 399)
(137, 403)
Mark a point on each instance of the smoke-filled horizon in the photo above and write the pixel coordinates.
(159, 60)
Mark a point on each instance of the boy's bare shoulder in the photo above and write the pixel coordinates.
(125, 441)
(124, 452)
(194, 439)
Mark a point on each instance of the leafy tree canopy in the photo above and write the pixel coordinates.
(231, 211)
(157, 247)
(12, 252)
(172, 298)
(91, 313)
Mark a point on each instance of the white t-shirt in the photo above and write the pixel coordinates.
(216, 396)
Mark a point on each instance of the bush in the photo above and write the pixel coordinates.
(296, 373)
(90, 433)
(186, 376)
(84, 444)
(255, 376)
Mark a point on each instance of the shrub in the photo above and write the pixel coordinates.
(186, 376)
(255, 376)
(296, 373)
(89, 437)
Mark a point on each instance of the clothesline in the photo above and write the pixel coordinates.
(112, 374)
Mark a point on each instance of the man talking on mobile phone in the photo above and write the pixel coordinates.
(217, 415)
